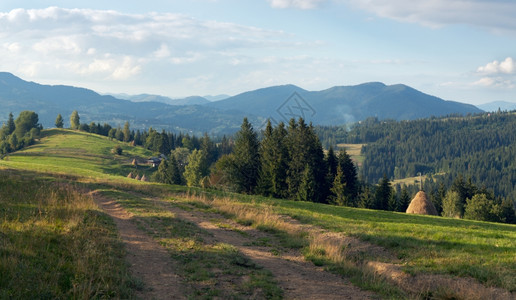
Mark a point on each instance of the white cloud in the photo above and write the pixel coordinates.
(495, 82)
(508, 66)
(496, 15)
(300, 4)
(84, 46)
(497, 74)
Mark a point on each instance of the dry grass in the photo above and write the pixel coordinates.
(358, 260)
(55, 243)
(421, 205)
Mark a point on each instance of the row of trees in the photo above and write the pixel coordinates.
(19, 133)
(289, 162)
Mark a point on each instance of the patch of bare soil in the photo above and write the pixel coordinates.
(149, 261)
(298, 278)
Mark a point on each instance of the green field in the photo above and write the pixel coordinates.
(355, 151)
(419, 244)
(78, 153)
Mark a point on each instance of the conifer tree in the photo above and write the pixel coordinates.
(173, 171)
(246, 158)
(349, 172)
(162, 174)
(383, 194)
(339, 196)
(10, 126)
(59, 121)
(404, 200)
(273, 156)
(366, 198)
(331, 163)
(209, 149)
(307, 190)
(304, 147)
(267, 159)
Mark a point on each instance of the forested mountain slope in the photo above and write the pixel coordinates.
(482, 148)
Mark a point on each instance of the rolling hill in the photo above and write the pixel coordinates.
(334, 106)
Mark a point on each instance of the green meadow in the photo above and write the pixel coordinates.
(41, 226)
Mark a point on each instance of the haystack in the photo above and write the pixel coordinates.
(421, 205)
(137, 177)
(130, 175)
(134, 163)
(144, 178)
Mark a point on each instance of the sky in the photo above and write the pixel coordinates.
(462, 50)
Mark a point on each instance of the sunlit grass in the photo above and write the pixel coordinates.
(55, 243)
(79, 153)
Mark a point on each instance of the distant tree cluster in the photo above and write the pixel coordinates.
(19, 133)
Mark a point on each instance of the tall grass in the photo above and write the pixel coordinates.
(55, 244)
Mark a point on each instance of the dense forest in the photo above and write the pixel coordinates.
(481, 148)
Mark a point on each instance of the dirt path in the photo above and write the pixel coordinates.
(149, 261)
(298, 278)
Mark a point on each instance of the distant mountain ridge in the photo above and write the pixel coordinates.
(47, 101)
(334, 106)
(192, 100)
(343, 104)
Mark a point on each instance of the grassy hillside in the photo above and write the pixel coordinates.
(418, 245)
(78, 153)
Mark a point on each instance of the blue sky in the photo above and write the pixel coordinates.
(463, 50)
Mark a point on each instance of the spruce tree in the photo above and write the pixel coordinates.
(404, 200)
(304, 147)
(267, 159)
(162, 174)
(349, 172)
(173, 171)
(339, 196)
(331, 163)
(307, 190)
(59, 121)
(10, 124)
(383, 194)
(247, 158)
(209, 149)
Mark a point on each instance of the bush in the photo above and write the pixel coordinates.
(117, 150)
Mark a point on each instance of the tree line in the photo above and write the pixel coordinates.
(289, 162)
(19, 133)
